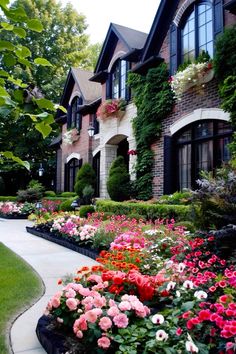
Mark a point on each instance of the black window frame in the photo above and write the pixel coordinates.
(72, 168)
(76, 117)
(195, 141)
(95, 124)
(123, 90)
(194, 8)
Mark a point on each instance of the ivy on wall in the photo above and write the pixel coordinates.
(154, 100)
(225, 72)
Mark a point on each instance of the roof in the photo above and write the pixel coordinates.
(90, 91)
(131, 38)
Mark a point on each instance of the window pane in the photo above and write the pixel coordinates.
(204, 129)
(209, 14)
(201, 8)
(191, 25)
(224, 127)
(186, 136)
(223, 153)
(191, 41)
(202, 19)
(202, 35)
(184, 166)
(209, 31)
(204, 157)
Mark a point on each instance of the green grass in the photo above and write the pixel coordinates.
(19, 285)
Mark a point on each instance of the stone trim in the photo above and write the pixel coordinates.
(94, 152)
(181, 11)
(197, 115)
(114, 58)
(74, 94)
(74, 155)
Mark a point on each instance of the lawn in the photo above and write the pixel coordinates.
(19, 286)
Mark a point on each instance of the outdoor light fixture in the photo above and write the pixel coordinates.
(38, 205)
(41, 170)
(74, 204)
(91, 131)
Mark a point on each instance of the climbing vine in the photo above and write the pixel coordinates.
(225, 72)
(154, 101)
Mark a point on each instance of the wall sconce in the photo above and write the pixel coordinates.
(91, 130)
(41, 170)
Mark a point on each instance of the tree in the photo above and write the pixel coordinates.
(118, 185)
(85, 177)
(62, 42)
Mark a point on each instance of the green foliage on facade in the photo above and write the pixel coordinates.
(118, 180)
(154, 101)
(85, 177)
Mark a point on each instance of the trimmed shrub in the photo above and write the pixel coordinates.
(118, 180)
(33, 192)
(7, 198)
(85, 210)
(145, 210)
(49, 194)
(88, 193)
(66, 205)
(85, 177)
(68, 194)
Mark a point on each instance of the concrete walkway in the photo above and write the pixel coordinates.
(51, 262)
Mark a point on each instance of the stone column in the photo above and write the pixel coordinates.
(132, 158)
(108, 154)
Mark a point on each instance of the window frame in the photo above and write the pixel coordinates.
(195, 141)
(194, 9)
(123, 91)
(76, 116)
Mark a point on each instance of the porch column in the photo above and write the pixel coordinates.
(108, 154)
(132, 159)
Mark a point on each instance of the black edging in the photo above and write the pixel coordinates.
(22, 216)
(63, 242)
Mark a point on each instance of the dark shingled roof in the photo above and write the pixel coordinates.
(90, 91)
(134, 39)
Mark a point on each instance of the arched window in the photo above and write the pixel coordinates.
(118, 79)
(76, 117)
(72, 168)
(197, 32)
(201, 146)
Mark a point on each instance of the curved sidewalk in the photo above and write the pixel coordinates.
(51, 262)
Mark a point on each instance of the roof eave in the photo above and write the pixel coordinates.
(231, 6)
(143, 67)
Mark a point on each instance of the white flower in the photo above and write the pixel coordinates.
(200, 294)
(170, 285)
(188, 284)
(181, 267)
(177, 293)
(191, 347)
(161, 335)
(157, 319)
(169, 264)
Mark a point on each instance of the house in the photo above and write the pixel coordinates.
(74, 147)
(195, 135)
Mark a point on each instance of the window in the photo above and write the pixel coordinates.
(118, 79)
(95, 124)
(201, 146)
(197, 32)
(76, 117)
(72, 168)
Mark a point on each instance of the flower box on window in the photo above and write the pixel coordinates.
(70, 136)
(195, 75)
(111, 108)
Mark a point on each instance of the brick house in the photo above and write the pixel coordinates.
(195, 135)
(73, 147)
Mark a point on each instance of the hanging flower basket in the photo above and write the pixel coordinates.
(70, 136)
(112, 108)
(195, 75)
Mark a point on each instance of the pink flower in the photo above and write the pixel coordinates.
(105, 323)
(104, 342)
(55, 302)
(124, 306)
(71, 303)
(178, 331)
(121, 320)
(91, 316)
(113, 311)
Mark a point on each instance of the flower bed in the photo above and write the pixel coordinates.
(157, 289)
(14, 210)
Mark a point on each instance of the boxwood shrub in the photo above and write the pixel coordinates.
(145, 210)
(84, 210)
(7, 198)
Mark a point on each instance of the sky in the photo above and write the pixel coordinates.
(136, 14)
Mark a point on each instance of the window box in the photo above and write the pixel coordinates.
(70, 136)
(111, 108)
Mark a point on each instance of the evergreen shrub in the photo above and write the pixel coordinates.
(118, 180)
(49, 194)
(68, 194)
(85, 177)
(66, 205)
(85, 210)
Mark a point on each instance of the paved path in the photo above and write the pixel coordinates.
(51, 261)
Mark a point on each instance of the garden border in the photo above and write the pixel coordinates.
(12, 217)
(63, 242)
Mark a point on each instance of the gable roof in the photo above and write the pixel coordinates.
(90, 91)
(131, 38)
(163, 18)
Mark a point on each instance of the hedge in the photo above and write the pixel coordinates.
(148, 211)
(7, 198)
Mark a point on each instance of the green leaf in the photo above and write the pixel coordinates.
(43, 128)
(17, 82)
(35, 25)
(25, 62)
(63, 109)
(18, 95)
(42, 61)
(23, 52)
(44, 103)
(187, 305)
(6, 45)
(9, 155)
(7, 26)
(3, 92)
(4, 3)
(17, 14)
(20, 32)
(3, 73)
(9, 59)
